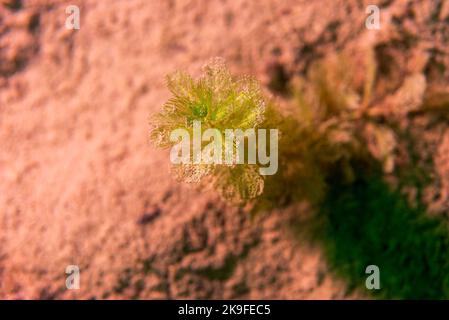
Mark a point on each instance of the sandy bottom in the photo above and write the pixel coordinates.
(80, 183)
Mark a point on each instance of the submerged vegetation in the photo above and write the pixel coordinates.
(339, 141)
(221, 102)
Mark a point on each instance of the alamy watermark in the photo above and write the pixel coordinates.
(72, 281)
(372, 22)
(73, 20)
(221, 147)
(373, 280)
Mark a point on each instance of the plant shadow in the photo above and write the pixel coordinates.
(366, 223)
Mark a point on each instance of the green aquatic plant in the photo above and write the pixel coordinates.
(220, 101)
